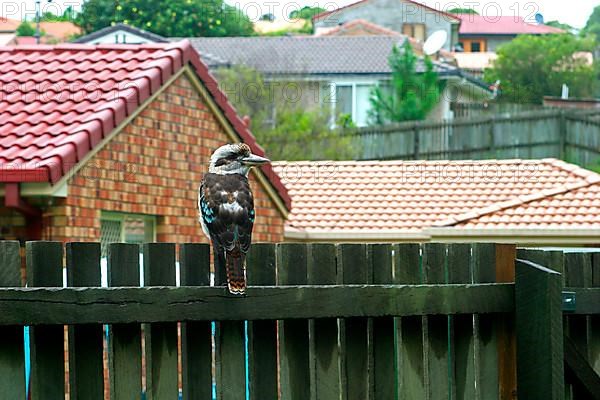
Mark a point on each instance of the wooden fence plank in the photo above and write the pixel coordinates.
(484, 327)
(540, 372)
(44, 268)
(12, 358)
(230, 350)
(262, 335)
(355, 333)
(161, 337)
(325, 352)
(97, 305)
(384, 329)
(125, 340)
(462, 337)
(595, 319)
(578, 274)
(505, 255)
(86, 368)
(294, 348)
(435, 328)
(411, 365)
(196, 337)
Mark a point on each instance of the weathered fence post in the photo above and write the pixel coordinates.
(562, 133)
(538, 299)
(293, 334)
(262, 335)
(161, 337)
(85, 341)
(12, 359)
(196, 337)
(125, 340)
(44, 269)
(325, 352)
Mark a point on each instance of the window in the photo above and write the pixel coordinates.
(127, 228)
(416, 31)
(348, 98)
(475, 47)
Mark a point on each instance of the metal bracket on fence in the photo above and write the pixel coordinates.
(568, 301)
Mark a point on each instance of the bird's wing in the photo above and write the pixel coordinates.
(227, 209)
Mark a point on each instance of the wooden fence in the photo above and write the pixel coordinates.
(348, 321)
(566, 134)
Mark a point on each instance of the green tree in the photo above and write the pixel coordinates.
(66, 16)
(560, 25)
(306, 12)
(286, 128)
(592, 26)
(462, 11)
(410, 95)
(171, 18)
(531, 67)
(25, 29)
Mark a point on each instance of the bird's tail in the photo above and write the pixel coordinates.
(236, 272)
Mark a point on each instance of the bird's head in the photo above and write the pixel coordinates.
(234, 159)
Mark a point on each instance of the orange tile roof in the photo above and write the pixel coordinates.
(362, 196)
(61, 30)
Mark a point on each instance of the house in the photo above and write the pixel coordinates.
(110, 143)
(8, 28)
(361, 27)
(480, 33)
(408, 17)
(530, 202)
(121, 34)
(333, 71)
(479, 36)
(52, 32)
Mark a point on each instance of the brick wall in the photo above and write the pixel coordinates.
(154, 167)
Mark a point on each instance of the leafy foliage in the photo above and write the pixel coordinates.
(306, 12)
(173, 18)
(286, 128)
(25, 29)
(462, 11)
(531, 67)
(67, 16)
(592, 26)
(557, 24)
(410, 95)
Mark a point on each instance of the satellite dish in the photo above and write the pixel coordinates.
(539, 18)
(435, 42)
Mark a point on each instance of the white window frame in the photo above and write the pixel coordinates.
(119, 216)
(333, 97)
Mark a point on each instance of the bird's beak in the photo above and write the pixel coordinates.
(253, 159)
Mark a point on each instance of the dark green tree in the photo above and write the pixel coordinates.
(531, 67)
(592, 26)
(288, 128)
(410, 95)
(171, 18)
(25, 29)
(560, 25)
(306, 12)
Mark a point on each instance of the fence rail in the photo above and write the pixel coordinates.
(566, 134)
(324, 321)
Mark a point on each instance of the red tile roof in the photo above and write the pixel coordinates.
(326, 13)
(363, 196)
(472, 24)
(58, 102)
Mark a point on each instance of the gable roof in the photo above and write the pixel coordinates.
(361, 26)
(57, 103)
(472, 24)
(8, 25)
(152, 37)
(314, 55)
(338, 197)
(324, 14)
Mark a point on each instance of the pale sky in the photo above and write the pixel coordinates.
(575, 12)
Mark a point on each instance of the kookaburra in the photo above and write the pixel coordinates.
(227, 210)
